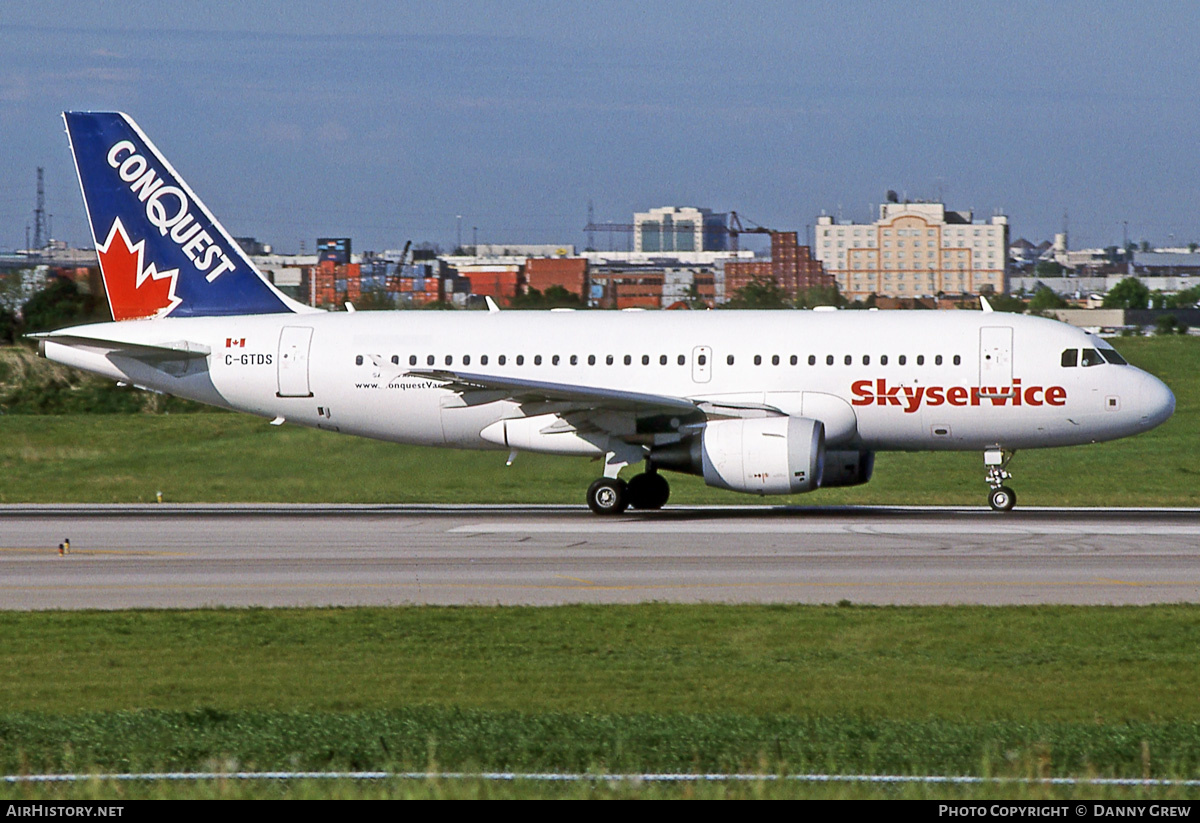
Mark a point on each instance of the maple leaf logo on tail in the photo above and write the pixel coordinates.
(134, 292)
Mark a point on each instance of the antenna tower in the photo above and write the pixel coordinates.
(40, 235)
(591, 234)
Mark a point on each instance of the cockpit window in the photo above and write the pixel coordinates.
(1112, 356)
(1070, 358)
(1091, 357)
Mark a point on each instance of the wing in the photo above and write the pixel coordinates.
(581, 397)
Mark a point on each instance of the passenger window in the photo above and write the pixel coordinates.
(937, 361)
(466, 359)
(609, 360)
(795, 360)
(412, 360)
(957, 360)
(883, 359)
(483, 359)
(574, 360)
(520, 360)
(902, 359)
(429, 360)
(829, 360)
(395, 360)
(812, 360)
(848, 359)
(758, 359)
(702, 359)
(662, 360)
(645, 360)
(1091, 357)
(866, 359)
(449, 360)
(502, 359)
(591, 359)
(537, 360)
(682, 359)
(774, 360)
(729, 360)
(628, 360)
(920, 360)
(554, 360)
(358, 360)
(1070, 358)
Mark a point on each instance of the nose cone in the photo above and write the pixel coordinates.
(1156, 400)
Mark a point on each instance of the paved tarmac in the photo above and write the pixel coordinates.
(189, 556)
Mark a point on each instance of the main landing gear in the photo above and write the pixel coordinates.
(611, 495)
(1001, 498)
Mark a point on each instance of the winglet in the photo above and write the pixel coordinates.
(985, 305)
(491, 304)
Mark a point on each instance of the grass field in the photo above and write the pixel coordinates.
(1002, 691)
(220, 457)
(600, 789)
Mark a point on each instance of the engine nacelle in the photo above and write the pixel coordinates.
(763, 455)
(847, 468)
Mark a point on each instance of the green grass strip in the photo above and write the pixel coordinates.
(472, 740)
(1053, 664)
(1011, 691)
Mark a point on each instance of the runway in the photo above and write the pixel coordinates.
(160, 556)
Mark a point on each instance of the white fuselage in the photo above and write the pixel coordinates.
(878, 380)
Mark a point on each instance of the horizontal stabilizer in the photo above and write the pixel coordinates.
(173, 350)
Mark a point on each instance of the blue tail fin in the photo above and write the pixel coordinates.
(161, 251)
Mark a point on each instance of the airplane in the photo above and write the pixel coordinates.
(762, 402)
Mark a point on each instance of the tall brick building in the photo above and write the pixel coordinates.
(792, 267)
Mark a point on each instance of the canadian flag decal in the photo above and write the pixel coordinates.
(134, 291)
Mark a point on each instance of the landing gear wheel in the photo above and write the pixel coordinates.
(648, 491)
(607, 496)
(1002, 499)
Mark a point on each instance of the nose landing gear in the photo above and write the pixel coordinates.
(1001, 498)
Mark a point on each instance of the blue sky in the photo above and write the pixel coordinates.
(385, 120)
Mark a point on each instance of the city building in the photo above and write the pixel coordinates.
(673, 229)
(915, 249)
(570, 273)
(791, 266)
(692, 287)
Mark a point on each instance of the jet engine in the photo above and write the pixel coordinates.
(762, 455)
(847, 468)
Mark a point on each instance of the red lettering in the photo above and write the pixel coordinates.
(910, 398)
(913, 395)
(862, 393)
(885, 396)
(994, 394)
